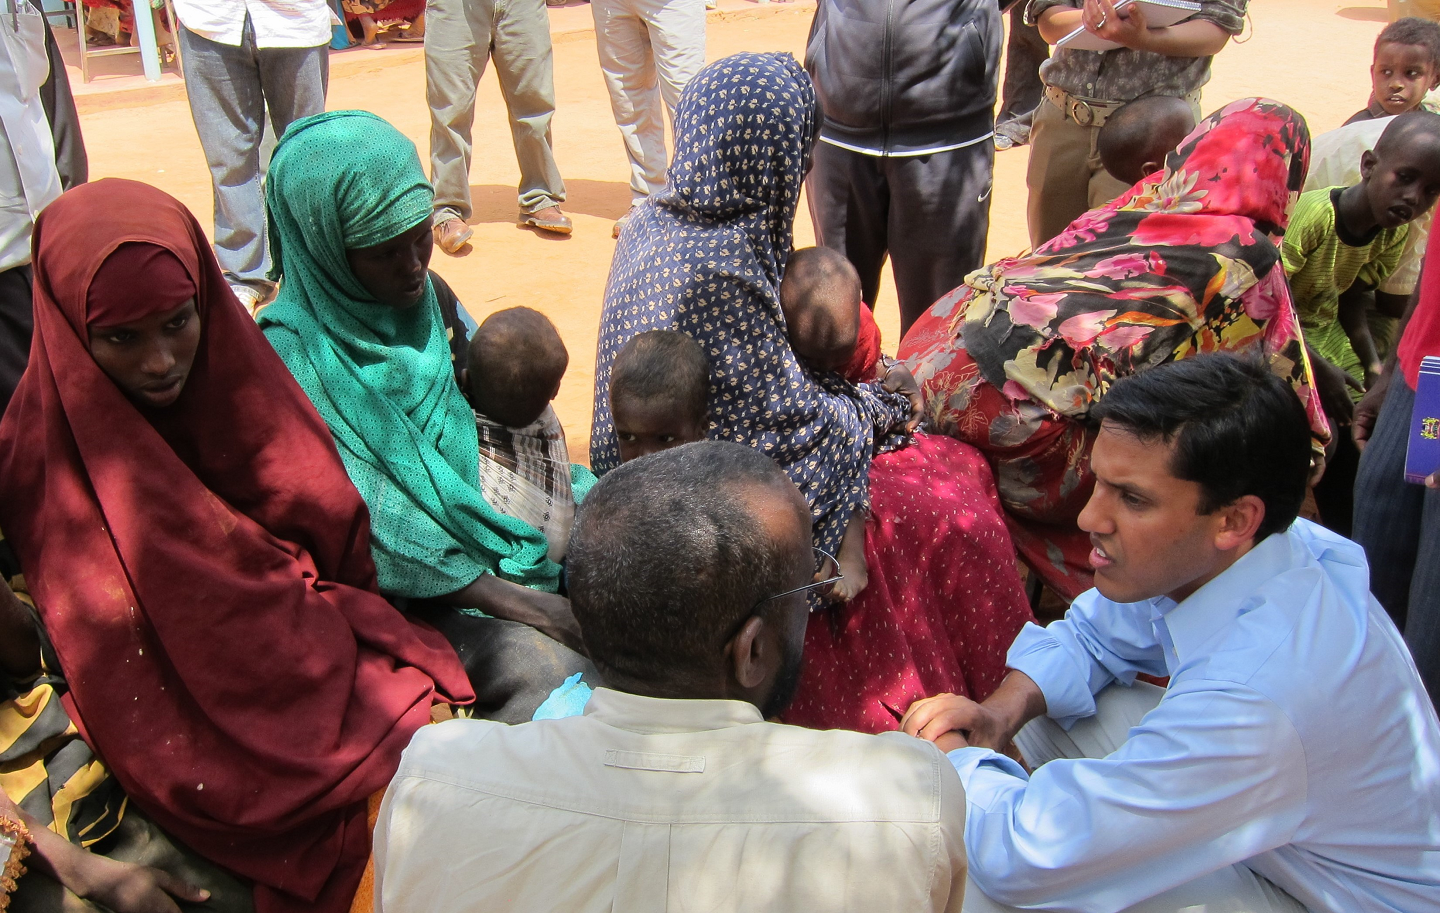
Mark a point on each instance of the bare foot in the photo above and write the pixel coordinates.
(855, 575)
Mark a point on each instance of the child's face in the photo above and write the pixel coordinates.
(1402, 185)
(1401, 75)
(646, 426)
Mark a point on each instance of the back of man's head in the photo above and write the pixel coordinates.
(672, 553)
(1237, 430)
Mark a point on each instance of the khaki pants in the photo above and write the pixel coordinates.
(1065, 176)
(461, 36)
(1234, 889)
(649, 50)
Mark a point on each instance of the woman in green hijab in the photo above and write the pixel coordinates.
(358, 323)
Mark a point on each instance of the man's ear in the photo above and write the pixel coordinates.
(1239, 521)
(749, 653)
(465, 381)
(1151, 167)
(1368, 159)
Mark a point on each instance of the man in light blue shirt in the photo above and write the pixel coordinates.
(1293, 763)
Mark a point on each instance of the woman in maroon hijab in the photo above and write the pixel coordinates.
(200, 558)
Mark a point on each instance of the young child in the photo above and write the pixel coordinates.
(829, 327)
(1406, 66)
(517, 361)
(659, 385)
(1341, 243)
(1135, 139)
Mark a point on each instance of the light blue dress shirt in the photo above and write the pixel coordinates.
(1295, 738)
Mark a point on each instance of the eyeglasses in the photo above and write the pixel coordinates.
(827, 574)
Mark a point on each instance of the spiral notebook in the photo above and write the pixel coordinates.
(1423, 457)
(1158, 14)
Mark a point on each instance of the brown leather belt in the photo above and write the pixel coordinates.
(1093, 112)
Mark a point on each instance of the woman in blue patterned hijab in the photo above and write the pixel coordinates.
(705, 257)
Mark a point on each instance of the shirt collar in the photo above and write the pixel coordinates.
(654, 714)
(1220, 602)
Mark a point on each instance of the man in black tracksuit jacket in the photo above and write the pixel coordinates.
(907, 93)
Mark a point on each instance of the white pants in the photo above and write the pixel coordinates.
(1234, 889)
(649, 50)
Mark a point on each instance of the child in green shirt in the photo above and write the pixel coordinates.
(1342, 242)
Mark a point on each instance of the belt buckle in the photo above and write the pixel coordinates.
(1076, 107)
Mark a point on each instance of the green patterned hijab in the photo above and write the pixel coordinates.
(381, 377)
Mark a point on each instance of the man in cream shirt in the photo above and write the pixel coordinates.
(688, 571)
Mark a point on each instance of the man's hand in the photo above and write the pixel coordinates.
(1367, 411)
(1126, 28)
(953, 719)
(898, 379)
(127, 888)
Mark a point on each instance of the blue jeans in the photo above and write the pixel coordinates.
(1398, 524)
(229, 89)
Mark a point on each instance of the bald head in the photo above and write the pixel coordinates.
(820, 295)
(517, 360)
(1401, 176)
(1408, 130)
(1135, 139)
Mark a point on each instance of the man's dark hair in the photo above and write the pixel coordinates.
(1412, 30)
(667, 560)
(1237, 429)
(516, 362)
(663, 365)
(1145, 130)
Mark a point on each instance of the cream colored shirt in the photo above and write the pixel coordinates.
(645, 805)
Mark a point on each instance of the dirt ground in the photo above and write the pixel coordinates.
(1311, 54)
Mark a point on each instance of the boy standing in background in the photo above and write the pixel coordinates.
(1406, 67)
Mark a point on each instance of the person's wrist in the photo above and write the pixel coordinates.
(1144, 40)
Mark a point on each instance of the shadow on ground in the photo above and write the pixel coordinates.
(1364, 13)
(601, 199)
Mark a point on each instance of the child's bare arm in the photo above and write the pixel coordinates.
(1353, 303)
(852, 561)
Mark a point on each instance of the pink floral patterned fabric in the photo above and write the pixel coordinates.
(1183, 263)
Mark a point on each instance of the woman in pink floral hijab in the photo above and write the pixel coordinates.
(1183, 263)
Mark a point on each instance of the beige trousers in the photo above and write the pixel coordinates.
(1065, 177)
(1234, 889)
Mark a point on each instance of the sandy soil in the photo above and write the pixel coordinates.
(1312, 54)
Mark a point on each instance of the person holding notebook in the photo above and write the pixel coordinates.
(1082, 89)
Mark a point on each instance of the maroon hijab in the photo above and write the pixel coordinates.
(204, 570)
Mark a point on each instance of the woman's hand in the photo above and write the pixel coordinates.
(128, 888)
(119, 886)
(545, 612)
(898, 379)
